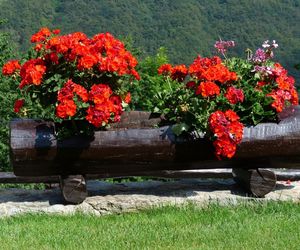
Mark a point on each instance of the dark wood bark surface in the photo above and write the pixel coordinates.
(73, 188)
(136, 145)
(257, 182)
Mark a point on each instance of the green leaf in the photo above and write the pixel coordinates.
(258, 109)
(156, 110)
(56, 88)
(179, 128)
(85, 105)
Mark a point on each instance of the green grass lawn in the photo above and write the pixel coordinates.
(245, 226)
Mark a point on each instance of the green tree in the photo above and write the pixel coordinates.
(185, 28)
(7, 98)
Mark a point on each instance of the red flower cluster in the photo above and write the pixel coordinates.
(165, 69)
(178, 72)
(102, 53)
(211, 69)
(66, 108)
(41, 35)
(210, 85)
(66, 59)
(234, 95)
(208, 89)
(66, 105)
(228, 132)
(32, 72)
(211, 72)
(105, 104)
(281, 97)
(210, 78)
(285, 91)
(104, 107)
(11, 67)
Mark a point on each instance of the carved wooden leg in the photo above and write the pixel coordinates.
(73, 188)
(258, 182)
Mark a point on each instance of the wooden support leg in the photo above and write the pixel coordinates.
(258, 182)
(73, 188)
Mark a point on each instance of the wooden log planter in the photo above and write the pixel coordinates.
(136, 146)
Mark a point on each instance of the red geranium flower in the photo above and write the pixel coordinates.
(179, 72)
(52, 57)
(41, 35)
(18, 105)
(295, 97)
(86, 62)
(285, 82)
(127, 98)
(67, 108)
(32, 72)
(231, 115)
(224, 147)
(191, 84)
(11, 67)
(211, 69)
(98, 115)
(280, 97)
(100, 93)
(228, 132)
(67, 92)
(260, 84)
(208, 89)
(56, 31)
(165, 69)
(234, 95)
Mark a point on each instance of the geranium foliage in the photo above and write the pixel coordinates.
(219, 97)
(74, 77)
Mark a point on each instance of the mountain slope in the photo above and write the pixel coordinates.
(185, 28)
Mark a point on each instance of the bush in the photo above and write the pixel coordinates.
(7, 97)
(144, 93)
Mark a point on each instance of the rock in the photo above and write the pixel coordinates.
(108, 198)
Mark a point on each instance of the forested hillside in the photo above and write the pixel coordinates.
(185, 28)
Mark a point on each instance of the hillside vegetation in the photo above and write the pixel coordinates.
(185, 28)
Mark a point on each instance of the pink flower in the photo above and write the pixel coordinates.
(222, 46)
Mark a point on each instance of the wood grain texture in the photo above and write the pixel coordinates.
(136, 146)
(257, 182)
(73, 188)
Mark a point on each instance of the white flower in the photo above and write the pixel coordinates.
(275, 45)
(266, 44)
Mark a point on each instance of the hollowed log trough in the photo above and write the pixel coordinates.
(137, 147)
